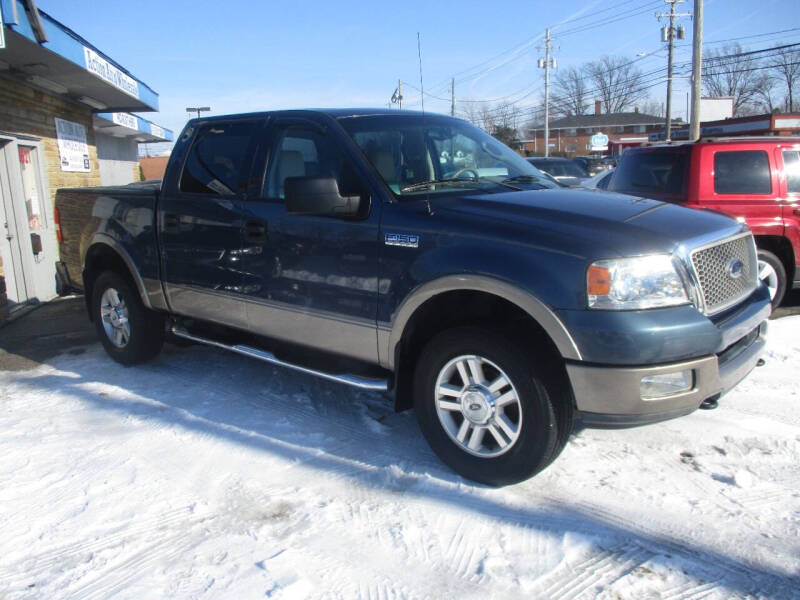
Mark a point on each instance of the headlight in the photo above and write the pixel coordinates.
(634, 283)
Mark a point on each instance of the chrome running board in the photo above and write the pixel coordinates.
(363, 383)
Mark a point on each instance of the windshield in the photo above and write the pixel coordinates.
(434, 154)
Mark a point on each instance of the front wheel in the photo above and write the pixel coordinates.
(129, 332)
(488, 408)
(772, 272)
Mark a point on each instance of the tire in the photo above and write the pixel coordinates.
(143, 337)
(537, 410)
(772, 272)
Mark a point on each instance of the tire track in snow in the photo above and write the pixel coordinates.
(76, 553)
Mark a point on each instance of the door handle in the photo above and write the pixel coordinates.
(255, 231)
(172, 223)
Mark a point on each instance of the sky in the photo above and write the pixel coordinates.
(238, 56)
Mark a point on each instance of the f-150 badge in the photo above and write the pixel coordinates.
(401, 239)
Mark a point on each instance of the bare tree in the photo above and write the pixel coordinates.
(653, 108)
(732, 72)
(784, 65)
(500, 120)
(618, 83)
(570, 93)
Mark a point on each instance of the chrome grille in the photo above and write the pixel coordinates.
(716, 267)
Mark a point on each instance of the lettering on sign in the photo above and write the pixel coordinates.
(72, 147)
(105, 70)
(157, 131)
(126, 120)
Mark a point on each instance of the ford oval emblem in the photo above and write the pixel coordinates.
(735, 268)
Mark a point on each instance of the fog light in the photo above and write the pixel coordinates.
(668, 384)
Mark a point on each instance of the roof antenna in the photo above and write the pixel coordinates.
(421, 87)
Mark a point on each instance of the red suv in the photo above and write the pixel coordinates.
(755, 180)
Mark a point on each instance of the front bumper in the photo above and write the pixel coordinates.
(610, 397)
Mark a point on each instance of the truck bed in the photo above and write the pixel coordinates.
(120, 214)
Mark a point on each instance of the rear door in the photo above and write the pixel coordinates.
(789, 162)
(201, 224)
(309, 279)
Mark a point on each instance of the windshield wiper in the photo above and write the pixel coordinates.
(446, 181)
(522, 178)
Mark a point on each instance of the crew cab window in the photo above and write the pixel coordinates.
(791, 168)
(742, 172)
(218, 158)
(301, 151)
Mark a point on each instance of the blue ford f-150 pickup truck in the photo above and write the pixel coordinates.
(415, 254)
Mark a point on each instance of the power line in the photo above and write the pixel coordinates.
(635, 12)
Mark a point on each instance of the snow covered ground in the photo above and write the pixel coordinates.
(207, 475)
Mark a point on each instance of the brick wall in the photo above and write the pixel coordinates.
(30, 112)
(26, 111)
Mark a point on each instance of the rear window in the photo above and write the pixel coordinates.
(659, 173)
(742, 172)
(217, 159)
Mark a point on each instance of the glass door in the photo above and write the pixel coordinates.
(29, 248)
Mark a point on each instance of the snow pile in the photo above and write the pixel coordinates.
(205, 474)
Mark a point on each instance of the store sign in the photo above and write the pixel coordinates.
(126, 120)
(598, 142)
(157, 131)
(105, 70)
(72, 147)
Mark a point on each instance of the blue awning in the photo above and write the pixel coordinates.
(49, 55)
(122, 124)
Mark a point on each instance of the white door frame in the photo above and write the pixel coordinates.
(29, 279)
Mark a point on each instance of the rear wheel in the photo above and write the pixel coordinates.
(129, 332)
(488, 408)
(772, 272)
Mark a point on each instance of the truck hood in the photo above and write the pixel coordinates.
(588, 222)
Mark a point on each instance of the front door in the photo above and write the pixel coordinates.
(28, 246)
(311, 280)
(790, 159)
(201, 225)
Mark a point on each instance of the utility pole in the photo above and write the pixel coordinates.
(546, 65)
(697, 75)
(668, 35)
(453, 97)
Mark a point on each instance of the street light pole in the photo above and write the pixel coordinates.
(198, 109)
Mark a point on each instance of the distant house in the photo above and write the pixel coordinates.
(571, 134)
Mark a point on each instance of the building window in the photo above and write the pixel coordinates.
(587, 130)
(620, 128)
(572, 132)
(640, 128)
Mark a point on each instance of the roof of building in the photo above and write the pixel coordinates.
(46, 53)
(603, 120)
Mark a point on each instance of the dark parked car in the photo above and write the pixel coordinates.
(564, 170)
(414, 254)
(592, 164)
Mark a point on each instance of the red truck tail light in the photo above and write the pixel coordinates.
(57, 218)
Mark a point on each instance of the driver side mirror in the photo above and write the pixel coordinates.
(318, 196)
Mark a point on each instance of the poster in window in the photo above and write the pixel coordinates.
(72, 147)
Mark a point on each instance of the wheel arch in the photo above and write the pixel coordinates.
(459, 300)
(106, 254)
(781, 247)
